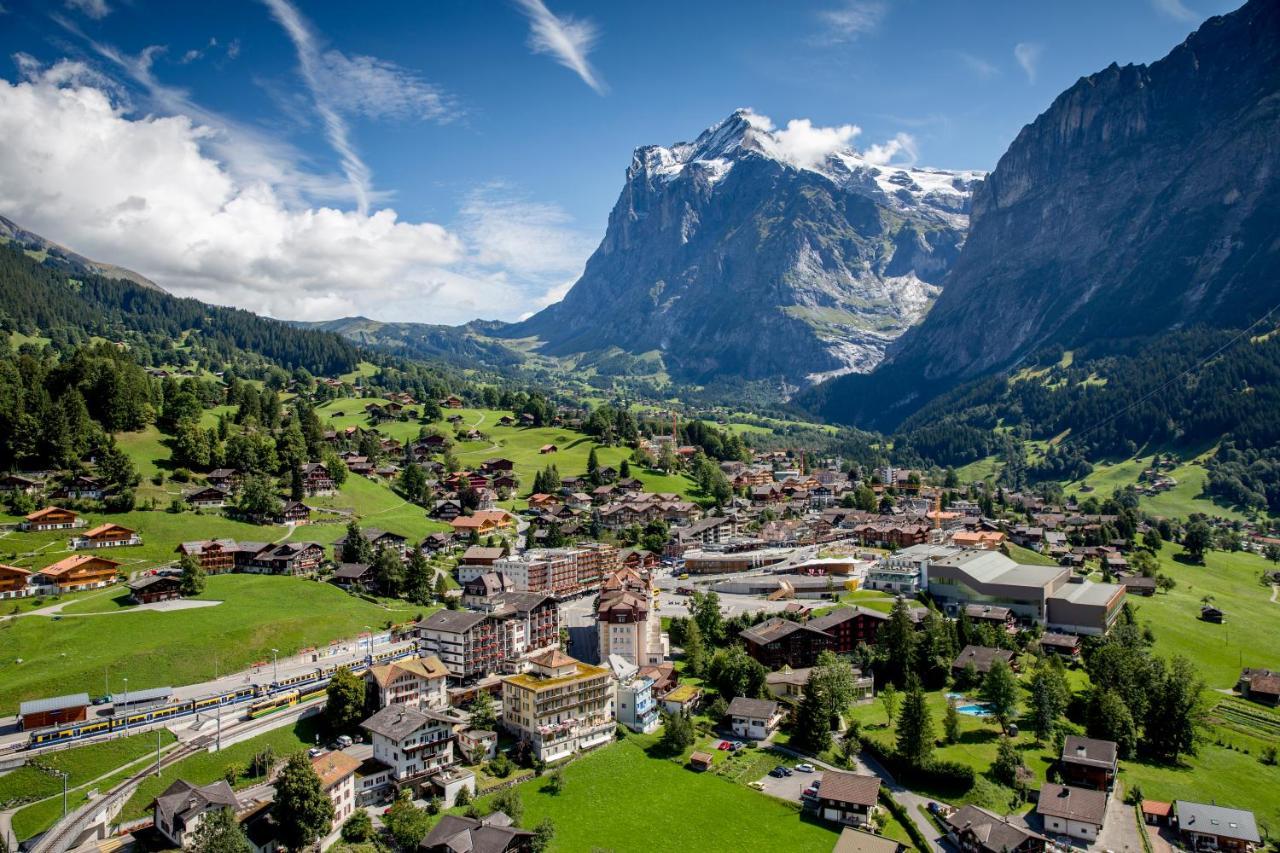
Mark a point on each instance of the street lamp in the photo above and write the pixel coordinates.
(63, 774)
(368, 634)
(275, 665)
(126, 706)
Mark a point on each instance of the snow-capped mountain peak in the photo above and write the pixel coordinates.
(826, 151)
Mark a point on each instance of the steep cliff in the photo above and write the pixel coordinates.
(733, 256)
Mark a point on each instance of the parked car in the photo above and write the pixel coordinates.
(780, 770)
(806, 767)
(809, 793)
(777, 773)
(345, 741)
(314, 751)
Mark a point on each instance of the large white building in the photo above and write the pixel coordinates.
(560, 707)
(411, 742)
(418, 683)
(627, 622)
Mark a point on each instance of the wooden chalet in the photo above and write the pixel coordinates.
(51, 518)
(80, 571)
(106, 536)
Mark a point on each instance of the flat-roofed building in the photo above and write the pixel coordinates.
(37, 713)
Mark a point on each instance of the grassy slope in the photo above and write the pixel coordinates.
(1178, 502)
(206, 767)
(82, 764)
(1219, 651)
(611, 798)
(155, 649)
(1028, 557)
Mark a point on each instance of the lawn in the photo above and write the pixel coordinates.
(155, 649)
(376, 505)
(206, 767)
(611, 797)
(979, 469)
(1178, 502)
(1219, 651)
(1028, 557)
(81, 763)
(1216, 774)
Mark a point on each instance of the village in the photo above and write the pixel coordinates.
(763, 624)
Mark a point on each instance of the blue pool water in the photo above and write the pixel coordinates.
(974, 710)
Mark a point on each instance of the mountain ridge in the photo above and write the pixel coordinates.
(712, 241)
(11, 231)
(1143, 199)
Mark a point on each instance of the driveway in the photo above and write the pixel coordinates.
(1120, 832)
(789, 787)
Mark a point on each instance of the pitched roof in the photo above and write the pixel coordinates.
(184, 801)
(772, 630)
(56, 703)
(333, 767)
(423, 667)
(1217, 820)
(553, 658)
(852, 788)
(860, 841)
(458, 834)
(982, 657)
(1081, 804)
(41, 513)
(844, 614)
(69, 564)
(741, 706)
(398, 722)
(1089, 751)
(993, 832)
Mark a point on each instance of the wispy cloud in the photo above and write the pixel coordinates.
(979, 66)
(336, 129)
(96, 9)
(853, 19)
(1028, 55)
(1177, 10)
(568, 40)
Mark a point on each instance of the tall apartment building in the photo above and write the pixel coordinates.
(473, 644)
(560, 707)
(562, 572)
(411, 743)
(627, 622)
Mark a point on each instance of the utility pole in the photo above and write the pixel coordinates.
(369, 640)
(126, 706)
(64, 792)
(157, 752)
(219, 749)
(275, 665)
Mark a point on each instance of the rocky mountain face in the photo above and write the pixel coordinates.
(734, 256)
(12, 232)
(1146, 198)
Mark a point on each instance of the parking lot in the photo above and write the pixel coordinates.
(789, 787)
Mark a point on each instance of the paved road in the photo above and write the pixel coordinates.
(1120, 828)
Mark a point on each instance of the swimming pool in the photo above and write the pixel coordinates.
(974, 710)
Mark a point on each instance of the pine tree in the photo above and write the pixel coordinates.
(193, 575)
(388, 572)
(812, 731)
(695, 652)
(951, 722)
(593, 467)
(897, 640)
(417, 578)
(1049, 697)
(1005, 767)
(304, 812)
(915, 726)
(356, 548)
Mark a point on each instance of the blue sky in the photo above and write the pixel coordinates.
(439, 161)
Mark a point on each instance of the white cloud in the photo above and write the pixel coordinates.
(233, 49)
(979, 66)
(1028, 55)
(531, 239)
(901, 150)
(145, 193)
(96, 9)
(807, 146)
(853, 19)
(1177, 10)
(567, 39)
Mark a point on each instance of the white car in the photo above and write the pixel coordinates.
(806, 767)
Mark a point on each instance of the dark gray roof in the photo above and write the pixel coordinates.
(1217, 820)
(853, 788)
(1081, 804)
(982, 657)
(351, 571)
(150, 580)
(772, 630)
(741, 706)
(454, 621)
(57, 703)
(843, 614)
(398, 722)
(994, 833)
(183, 801)
(1089, 751)
(523, 602)
(457, 834)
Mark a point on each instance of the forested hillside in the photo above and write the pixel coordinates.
(1188, 390)
(36, 299)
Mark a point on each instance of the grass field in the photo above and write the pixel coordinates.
(1178, 502)
(1027, 557)
(376, 505)
(1219, 651)
(979, 470)
(206, 767)
(81, 764)
(519, 444)
(155, 649)
(621, 799)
